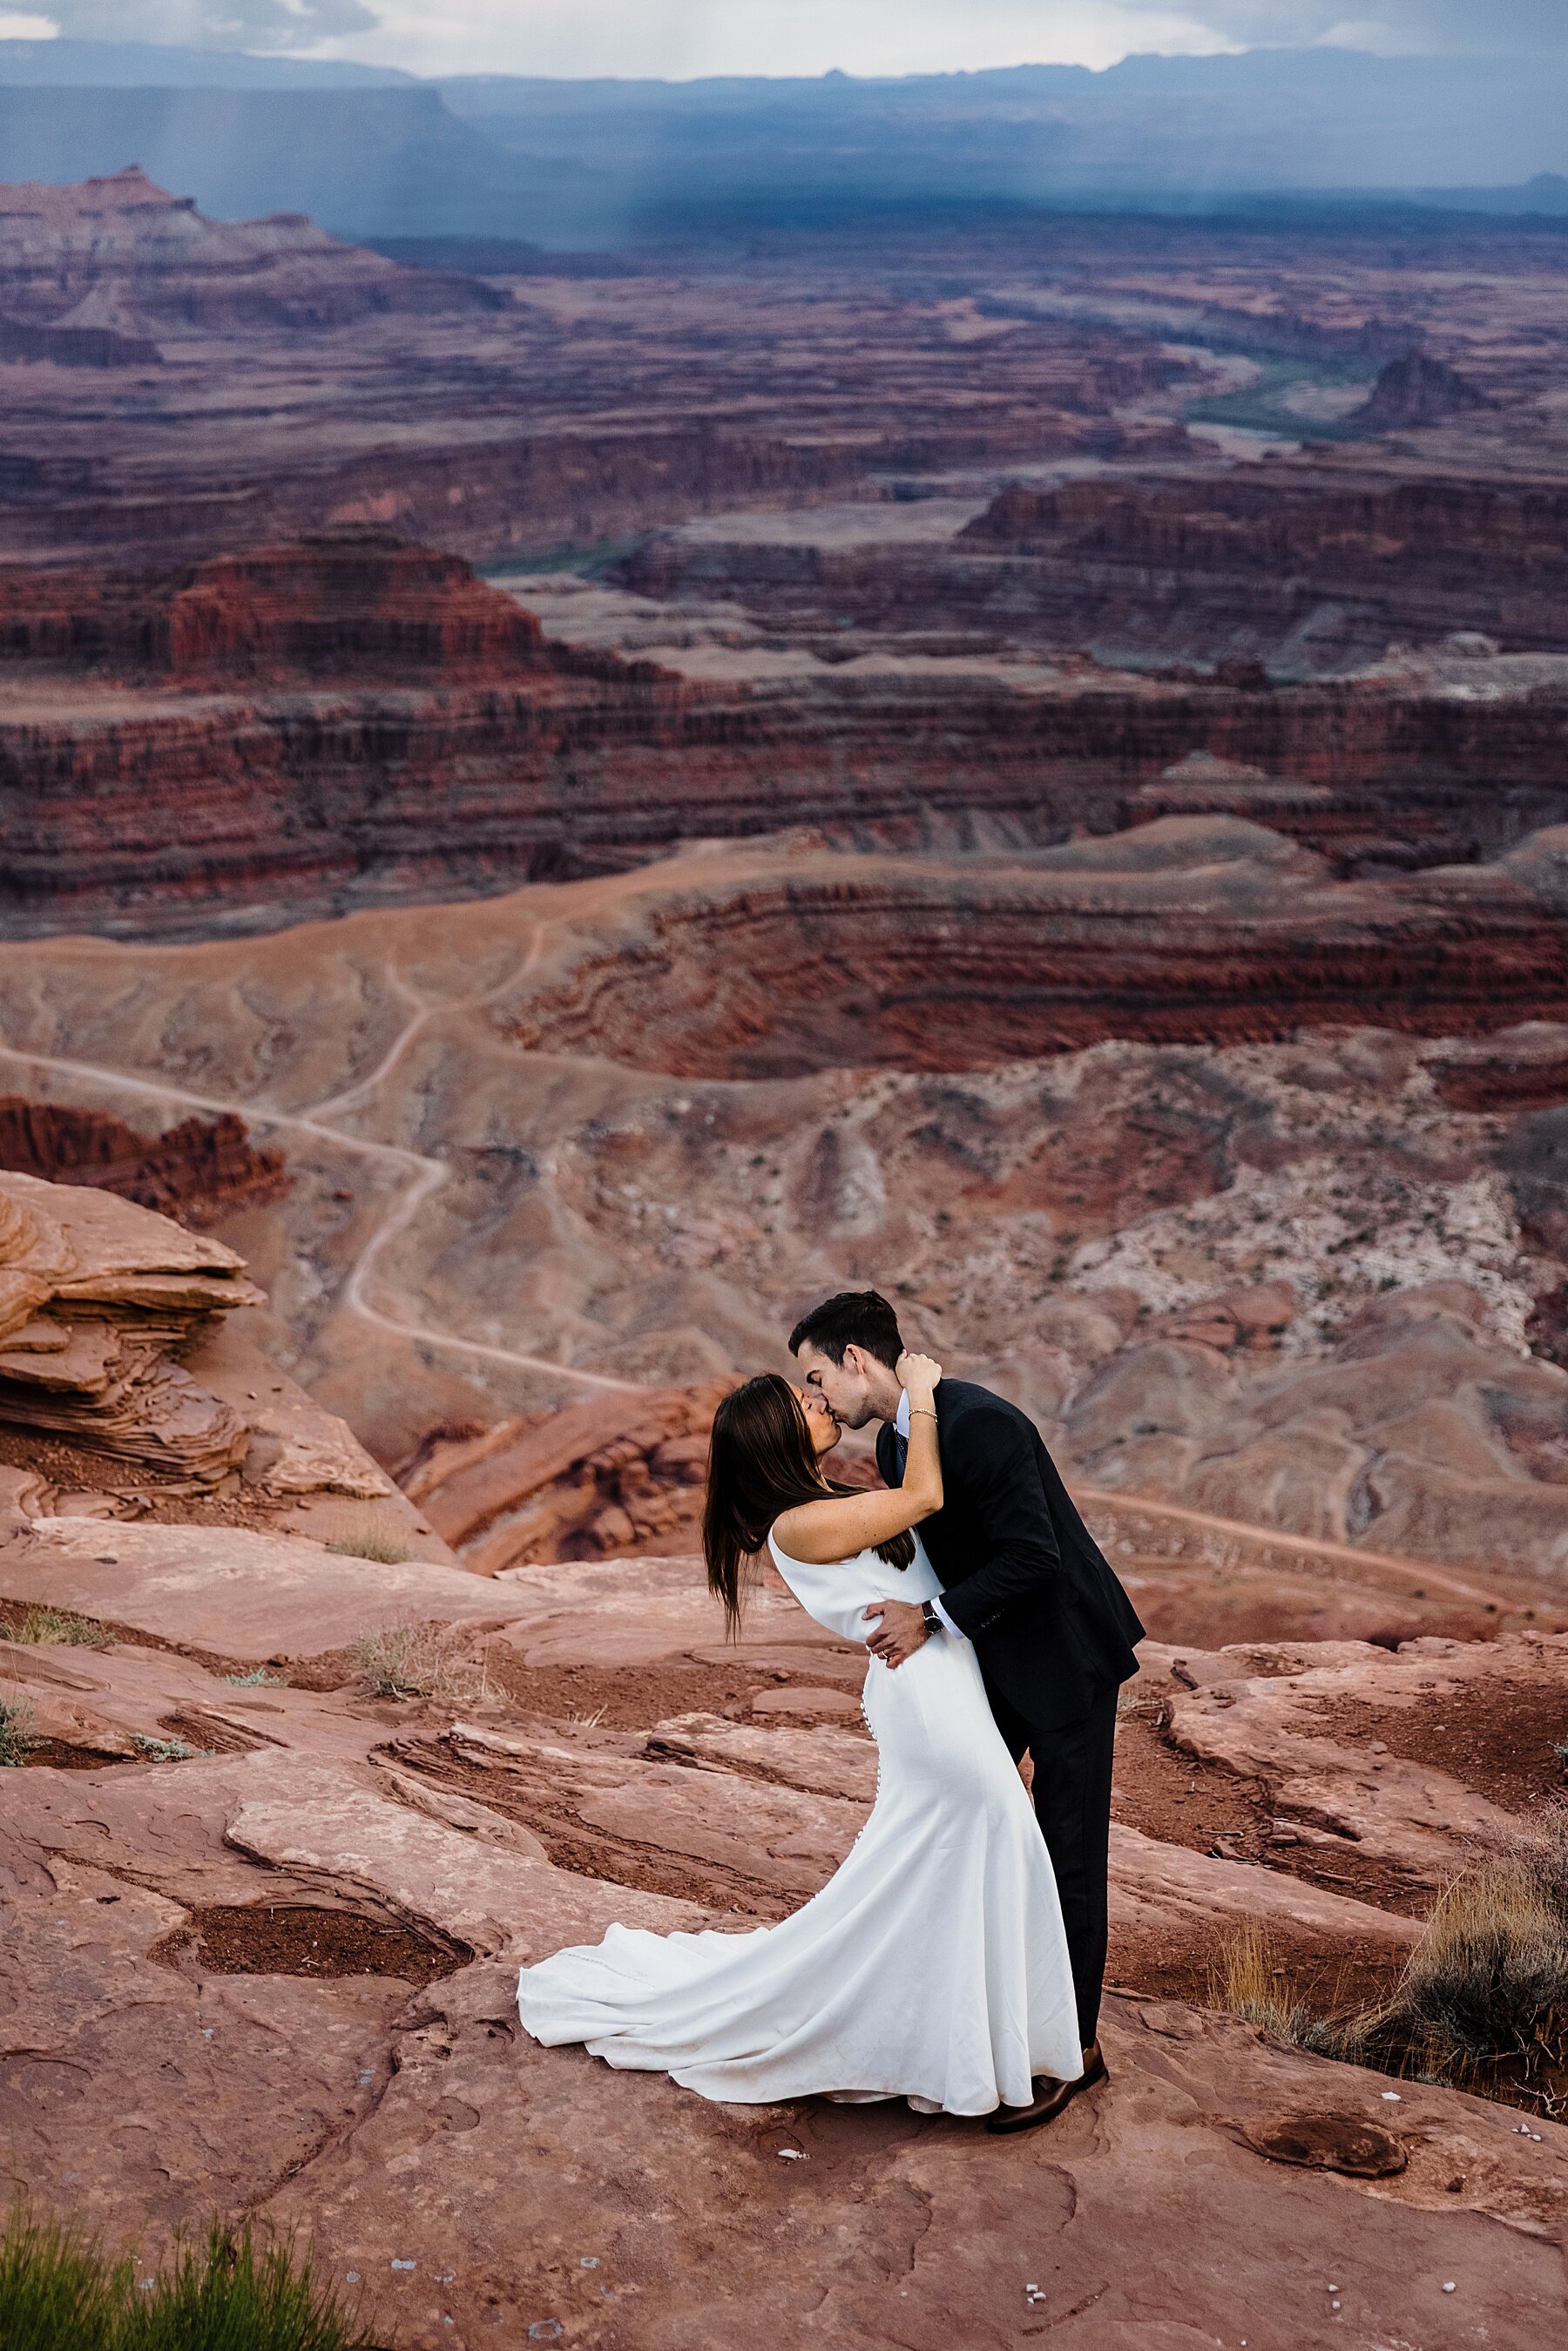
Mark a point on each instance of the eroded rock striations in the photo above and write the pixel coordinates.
(100, 1297)
(196, 1170)
(121, 1388)
(456, 749)
(91, 270)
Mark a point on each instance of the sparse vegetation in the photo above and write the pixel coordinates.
(1489, 1978)
(257, 1678)
(165, 1750)
(419, 1661)
(58, 2292)
(1482, 2001)
(64, 1625)
(15, 1730)
(372, 1542)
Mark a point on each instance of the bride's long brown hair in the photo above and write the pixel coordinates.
(761, 1461)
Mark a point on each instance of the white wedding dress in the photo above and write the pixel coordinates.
(932, 1965)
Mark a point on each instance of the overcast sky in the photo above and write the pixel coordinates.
(682, 37)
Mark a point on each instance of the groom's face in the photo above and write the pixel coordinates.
(844, 1385)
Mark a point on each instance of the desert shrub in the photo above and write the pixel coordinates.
(1489, 1976)
(60, 2293)
(15, 1730)
(417, 1661)
(165, 1750)
(257, 1678)
(62, 1625)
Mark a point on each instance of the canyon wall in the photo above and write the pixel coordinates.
(457, 751)
(199, 1169)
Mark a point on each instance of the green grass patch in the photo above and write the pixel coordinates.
(60, 2292)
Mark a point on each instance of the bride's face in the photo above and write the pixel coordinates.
(825, 1430)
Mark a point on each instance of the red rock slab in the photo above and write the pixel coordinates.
(722, 1837)
(521, 2190)
(786, 1704)
(1194, 1901)
(651, 1611)
(235, 1592)
(1296, 1730)
(105, 1700)
(366, 1847)
(135, 2095)
(824, 1760)
(755, 1825)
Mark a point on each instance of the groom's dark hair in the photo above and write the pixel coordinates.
(855, 1318)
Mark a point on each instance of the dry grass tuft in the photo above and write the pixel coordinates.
(16, 1734)
(1483, 1998)
(419, 1661)
(64, 1625)
(1250, 1982)
(1489, 1978)
(372, 1542)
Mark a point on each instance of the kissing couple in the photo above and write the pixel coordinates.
(956, 1956)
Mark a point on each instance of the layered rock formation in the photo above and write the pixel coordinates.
(199, 1169)
(122, 1389)
(615, 1476)
(1184, 929)
(113, 259)
(346, 603)
(1255, 560)
(454, 749)
(101, 1299)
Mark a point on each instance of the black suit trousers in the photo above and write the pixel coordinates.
(1072, 1804)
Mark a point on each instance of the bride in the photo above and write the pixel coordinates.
(932, 1965)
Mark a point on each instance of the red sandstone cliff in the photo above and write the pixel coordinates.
(198, 1167)
(1264, 549)
(454, 750)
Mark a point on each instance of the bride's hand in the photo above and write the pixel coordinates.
(919, 1374)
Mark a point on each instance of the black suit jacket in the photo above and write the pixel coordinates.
(1021, 1575)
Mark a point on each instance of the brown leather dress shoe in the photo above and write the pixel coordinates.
(1050, 2100)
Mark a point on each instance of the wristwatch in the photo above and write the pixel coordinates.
(929, 1618)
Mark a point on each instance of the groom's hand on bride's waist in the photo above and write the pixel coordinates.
(901, 1631)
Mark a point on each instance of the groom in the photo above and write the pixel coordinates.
(1022, 1579)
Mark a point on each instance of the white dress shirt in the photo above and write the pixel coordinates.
(901, 1422)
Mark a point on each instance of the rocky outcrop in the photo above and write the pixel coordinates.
(122, 1389)
(79, 347)
(1414, 390)
(196, 1170)
(1184, 929)
(81, 265)
(277, 1924)
(612, 1476)
(349, 603)
(99, 1299)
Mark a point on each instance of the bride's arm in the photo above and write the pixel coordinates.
(842, 1524)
